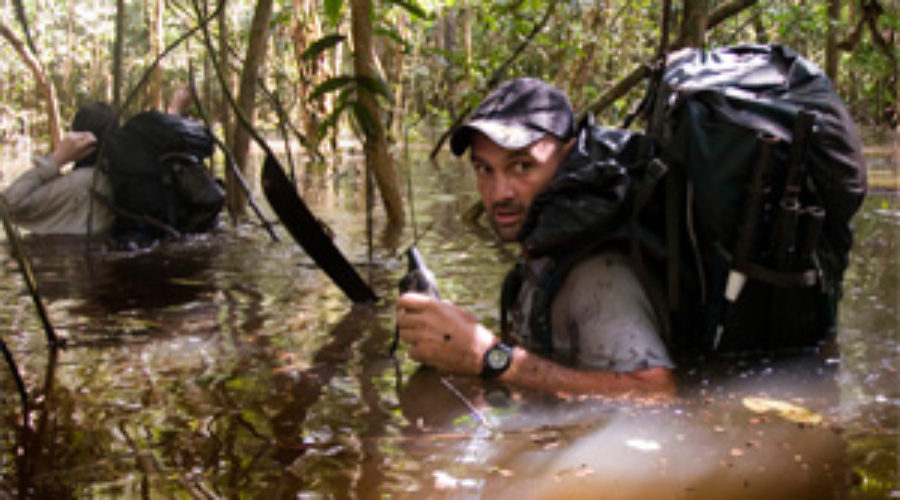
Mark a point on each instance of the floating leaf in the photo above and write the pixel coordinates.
(129, 323)
(187, 282)
(783, 409)
(546, 437)
(581, 471)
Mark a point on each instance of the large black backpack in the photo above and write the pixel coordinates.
(736, 212)
(767, 171)
(160, 183)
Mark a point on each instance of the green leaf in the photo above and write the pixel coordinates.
(377, 86)
(321, 45)
(331, 85)
(364, 118)
(391, 32)
(412, 7)
(331, 120)
(333, 11)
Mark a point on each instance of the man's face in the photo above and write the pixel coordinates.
(509, 180)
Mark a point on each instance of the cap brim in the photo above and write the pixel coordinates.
(505, 134)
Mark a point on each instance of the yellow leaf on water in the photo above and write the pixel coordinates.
(187, 282)
(783, 409)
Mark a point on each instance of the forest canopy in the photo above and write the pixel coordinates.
(305, 68)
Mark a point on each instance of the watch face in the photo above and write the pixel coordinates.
(497, 358)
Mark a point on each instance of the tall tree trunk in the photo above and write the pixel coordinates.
(378, 159)
(582, 68)
(118, 46)
(693, 24)
(155, 10)
(45, 86)
(64, 92)
(832, 53)
(306, 29)
(396, 62)
(246, 101)
(224, 108)
(467, 33)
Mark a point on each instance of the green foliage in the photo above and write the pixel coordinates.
(441, 56)
(347, 88)
(331, 85)
(321, 45)
(411, 6)
(333, 10)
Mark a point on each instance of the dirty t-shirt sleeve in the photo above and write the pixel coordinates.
(604, 313)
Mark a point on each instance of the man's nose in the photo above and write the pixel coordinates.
(502, 188)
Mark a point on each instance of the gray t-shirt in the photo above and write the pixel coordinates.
(601, 317)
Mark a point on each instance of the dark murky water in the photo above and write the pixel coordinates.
(228, 366)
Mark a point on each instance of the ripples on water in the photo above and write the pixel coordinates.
(228, 365)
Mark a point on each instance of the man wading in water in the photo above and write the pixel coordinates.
(603, 337)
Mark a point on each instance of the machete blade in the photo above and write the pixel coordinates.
(306, 230)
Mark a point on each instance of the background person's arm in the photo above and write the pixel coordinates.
(32, 195)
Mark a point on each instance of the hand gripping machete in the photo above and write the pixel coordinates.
(307, 231)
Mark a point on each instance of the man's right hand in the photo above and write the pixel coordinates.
(73, 147)
(442, 335)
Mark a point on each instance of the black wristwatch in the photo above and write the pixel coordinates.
(496, 360)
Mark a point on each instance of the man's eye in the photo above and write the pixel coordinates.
(521, 167)
(481, 169)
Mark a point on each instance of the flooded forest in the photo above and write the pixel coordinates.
(250, 352)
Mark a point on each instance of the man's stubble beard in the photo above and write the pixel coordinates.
(507, 234)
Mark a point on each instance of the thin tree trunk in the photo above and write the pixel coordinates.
(467, 33)
(246, 101)
(155, 10)
(305, 29)
(693, 24)
(45, 86)
(378, 159)
(584, 66)
(832, 53)
(397, 69)
(224, 108)
(66, 70)
(118, 46)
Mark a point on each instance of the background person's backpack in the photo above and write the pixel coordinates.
(765, 172)
(160, 183)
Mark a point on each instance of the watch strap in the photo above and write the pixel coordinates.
(496, 360)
